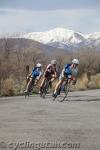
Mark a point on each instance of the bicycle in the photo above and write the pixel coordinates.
(45, 88)
(66, 88)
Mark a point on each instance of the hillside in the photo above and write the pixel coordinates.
(27, 45)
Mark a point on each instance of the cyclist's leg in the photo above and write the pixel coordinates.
(50, 79)
(28, 84)
(43, 81)
(60, 82)
(63, 86)
(58, 85)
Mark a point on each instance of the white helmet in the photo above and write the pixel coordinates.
(75, 61)
(53, 62)
(38, 65)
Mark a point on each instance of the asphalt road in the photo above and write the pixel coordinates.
(39, 124)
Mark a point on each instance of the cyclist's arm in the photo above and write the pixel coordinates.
(46, 70)
(75, 77)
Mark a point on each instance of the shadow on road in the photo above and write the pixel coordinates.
(76, 98)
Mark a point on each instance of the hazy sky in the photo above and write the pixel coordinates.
(42, 15)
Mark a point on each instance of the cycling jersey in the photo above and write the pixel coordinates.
(50, 70)
(69, 70)
(36, 72)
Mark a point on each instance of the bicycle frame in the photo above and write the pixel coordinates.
(67, 83)
(45, 88)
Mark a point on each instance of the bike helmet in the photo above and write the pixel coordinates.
(53, 62)
(75, 61)
(38, 65)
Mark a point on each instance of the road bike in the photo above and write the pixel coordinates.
(64, 88)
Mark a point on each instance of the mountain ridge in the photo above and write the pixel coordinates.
(64, 38)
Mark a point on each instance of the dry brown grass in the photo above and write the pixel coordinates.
(7, 87)
(83, 83)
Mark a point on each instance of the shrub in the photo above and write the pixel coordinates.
(7, 87)
(92, 85)
(82, 83)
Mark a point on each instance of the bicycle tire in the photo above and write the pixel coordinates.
(67, 87)
(44, 89)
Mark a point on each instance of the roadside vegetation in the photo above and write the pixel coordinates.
(16, 64)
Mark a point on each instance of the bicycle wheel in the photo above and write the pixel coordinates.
(44, 89)
(67, 87)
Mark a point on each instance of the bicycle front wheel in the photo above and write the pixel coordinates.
(45, 89)
(66, 89)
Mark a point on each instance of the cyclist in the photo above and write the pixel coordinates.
(35, 75)
(69, 70)
(50, 74)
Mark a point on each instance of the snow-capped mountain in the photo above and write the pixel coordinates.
(64, 38)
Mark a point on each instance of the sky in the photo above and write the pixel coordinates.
(22, 16)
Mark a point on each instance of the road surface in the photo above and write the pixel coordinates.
(39, 124)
